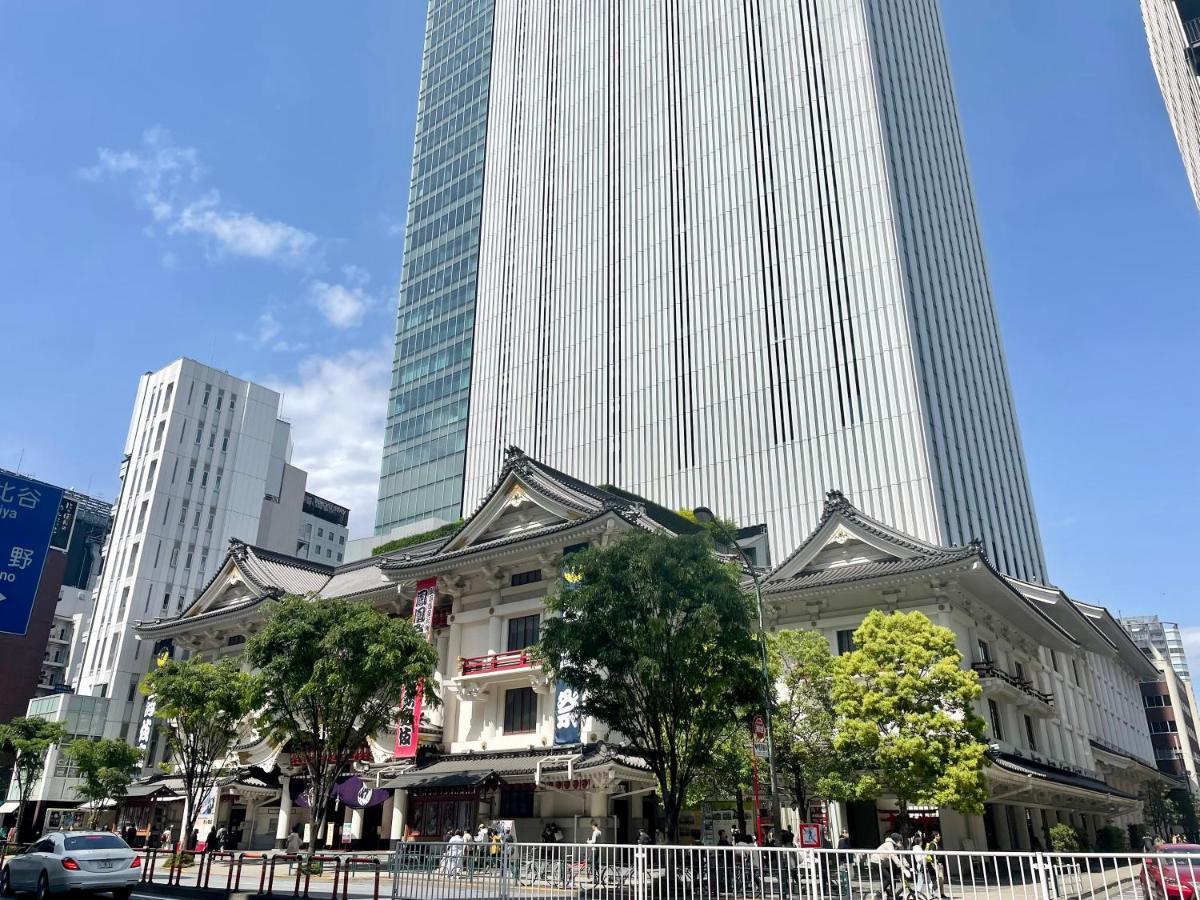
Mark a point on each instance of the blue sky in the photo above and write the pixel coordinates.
(228, 181)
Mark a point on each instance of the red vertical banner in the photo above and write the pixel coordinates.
(408, 726)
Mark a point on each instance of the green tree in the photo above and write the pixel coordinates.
(332, 674)
(905, 706)
(1184, 802)
(107, 767)
(28, 739)
(201, 706)
(656, 636)
(1159, 809)
(805, 725)
(728, 773)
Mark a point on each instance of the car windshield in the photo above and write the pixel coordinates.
(94, 842)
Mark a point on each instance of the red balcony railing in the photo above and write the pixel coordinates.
(496, 662)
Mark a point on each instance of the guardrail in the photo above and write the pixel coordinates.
(746, 872)
(496, 662)
(280, 874)
(470, 871)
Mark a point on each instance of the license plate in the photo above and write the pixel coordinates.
(106, 864)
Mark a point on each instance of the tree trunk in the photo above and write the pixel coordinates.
(671, 809)
(741, 809)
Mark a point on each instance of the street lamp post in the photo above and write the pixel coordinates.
(705, 516)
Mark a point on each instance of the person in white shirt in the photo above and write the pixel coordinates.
(454, 853)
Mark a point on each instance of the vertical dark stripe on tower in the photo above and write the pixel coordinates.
(774, 291)
(829, 218)
(615, 245)
(506, 307)
(680, 282)
(549, 226)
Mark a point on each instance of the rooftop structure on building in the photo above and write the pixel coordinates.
(324, 527)
(1060, 677)
(1151, 633)
(726, 254)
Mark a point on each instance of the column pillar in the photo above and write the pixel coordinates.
(283, 827)
(598, 810)
(637, 816)
(1003, 831)
(356, 827)
(399, 814)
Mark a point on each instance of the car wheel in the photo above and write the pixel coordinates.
(43, 887)
(122, 893)
(5, 883)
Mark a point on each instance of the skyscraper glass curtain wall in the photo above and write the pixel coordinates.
(425, 438)
(728, 254)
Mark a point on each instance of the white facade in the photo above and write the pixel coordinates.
(729, 255)
(1061, 679)
(204, 452)
(1173, 33)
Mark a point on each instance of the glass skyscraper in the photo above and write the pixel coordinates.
(725, 253)
(425, 439)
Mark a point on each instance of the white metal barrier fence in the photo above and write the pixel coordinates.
(466, 871)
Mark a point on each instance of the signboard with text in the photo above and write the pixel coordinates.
(28, 514)
(408, 724)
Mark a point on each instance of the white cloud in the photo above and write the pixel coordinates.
(337, 405)
(266, 333)
(168, 181)
(342, 306)
(244, 234)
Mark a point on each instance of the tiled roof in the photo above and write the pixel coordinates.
(469, 769)
(837, 504)
(866, 571)
(1020, 766)
(268, 569)
(356, 581)
(393, 565)
(232, 608)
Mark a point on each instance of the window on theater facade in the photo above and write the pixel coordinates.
(985, 652)
(1030, 734)
(522, 632)
(520, 711)
(516, 803)
(845, 641)
(530, 577)
(994, 714)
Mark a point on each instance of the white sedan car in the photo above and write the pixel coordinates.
(73, 861)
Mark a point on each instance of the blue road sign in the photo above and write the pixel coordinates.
(28, 512)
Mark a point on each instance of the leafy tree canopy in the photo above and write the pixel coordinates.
(656, 635)
(905, 705)
(805, 724)
(201, 706)
(29, 739)
(331, 675)
(107, 767)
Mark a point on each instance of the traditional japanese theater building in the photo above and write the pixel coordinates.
(1060, 678)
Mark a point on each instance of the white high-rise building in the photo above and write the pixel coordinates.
(206, 460)
(1173, 32)
(722, 253)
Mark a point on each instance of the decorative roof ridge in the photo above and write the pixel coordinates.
(397, 563)
(1038, 611)
(244, 550)
(837, 503)
(240, 606)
